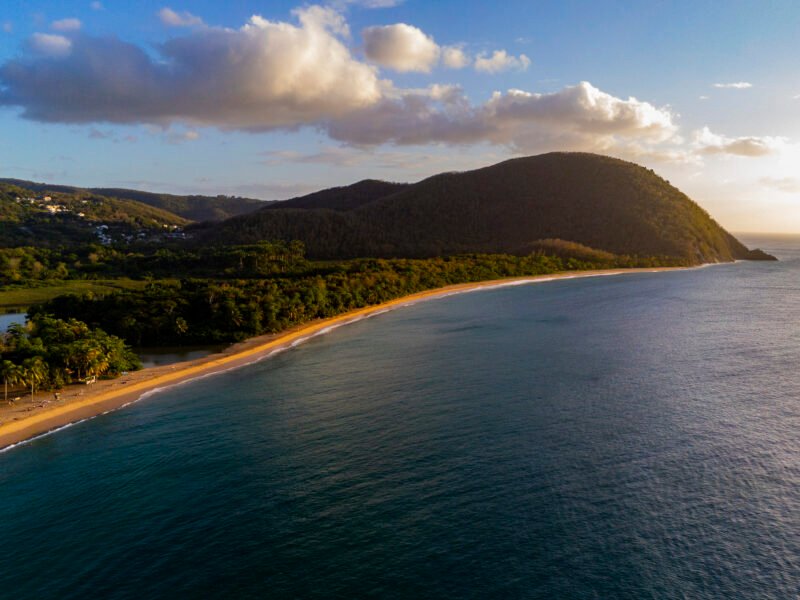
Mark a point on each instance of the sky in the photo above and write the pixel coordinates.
(272, 99)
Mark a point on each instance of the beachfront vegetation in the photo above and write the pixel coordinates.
(195, 311)
(50, 353)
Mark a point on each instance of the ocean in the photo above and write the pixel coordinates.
(634, 436)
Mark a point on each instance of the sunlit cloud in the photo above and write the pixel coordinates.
(707, 142)
(454, 57)
(400, 47)
(183, 19)
(307, 72)
(500, 61)
(266, 75)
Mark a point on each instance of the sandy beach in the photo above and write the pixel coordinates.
(27, 419)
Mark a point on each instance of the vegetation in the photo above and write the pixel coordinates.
(197, 311)
(18, 299)
(601, 202)
(189, 208)
(51, 353)
(55, 218)
(32, 266)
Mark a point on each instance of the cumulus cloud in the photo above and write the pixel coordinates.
(50, 45)
(454, 57)
(500, 61)
(406, 48)
(738, 85)
(401, 47)
(579, 117)
(707, 142)
(96, 5)
(265, 75)
(271, 75)
(70, 24)
(183, 19)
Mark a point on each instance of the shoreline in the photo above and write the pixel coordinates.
(81, 404)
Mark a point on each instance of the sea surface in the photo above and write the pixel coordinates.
(633, 436)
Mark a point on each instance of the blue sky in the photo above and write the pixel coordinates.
(273, 99)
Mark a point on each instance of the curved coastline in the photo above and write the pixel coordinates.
(114, 394)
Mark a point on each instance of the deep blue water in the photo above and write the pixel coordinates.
(617, 437)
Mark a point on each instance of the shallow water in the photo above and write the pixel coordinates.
(617, 437)
(158, 357)
(10, 318)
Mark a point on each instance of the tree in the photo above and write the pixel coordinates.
(10, 373)
(34, 372)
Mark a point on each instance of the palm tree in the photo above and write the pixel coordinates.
(10, 373)
(35, 372)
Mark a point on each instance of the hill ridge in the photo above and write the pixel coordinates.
(597, 201)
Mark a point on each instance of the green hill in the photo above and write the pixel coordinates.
(63, 218)
(599, 202)
(191, 208)
(343, 198)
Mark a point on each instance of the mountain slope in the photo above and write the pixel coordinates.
(191, 208)
(343, 198)
(77, 216)
(597, 201)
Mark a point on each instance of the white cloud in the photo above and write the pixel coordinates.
(703, 98)
(707, 142)
(265, 75)
(271, 75)
(500, 61)
(96, 5)
(8, 27)
(738, 85)
(454, 57)
(50, 45)
(579, 117)
(400, 47)
(183, 19)
(70, 24)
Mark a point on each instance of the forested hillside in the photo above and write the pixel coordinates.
(600, 202)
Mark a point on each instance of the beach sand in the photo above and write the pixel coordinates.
(27, 419)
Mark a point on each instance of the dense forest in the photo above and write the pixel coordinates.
(50, 353)
(31, 265)
(597, 201)
(195, 311)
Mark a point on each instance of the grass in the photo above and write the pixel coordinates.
(19, 299)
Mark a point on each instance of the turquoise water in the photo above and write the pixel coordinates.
(614, 437)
